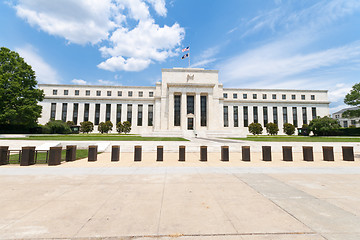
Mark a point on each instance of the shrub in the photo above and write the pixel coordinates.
(126, 127)
(45, 129)
(58, 126)
(109, 125)
(272, 128)
(255, 128)
(70, 123)
(289, 129)
(86, 127)
(119, 127)
(324, 126)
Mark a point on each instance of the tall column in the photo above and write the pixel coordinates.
(197, 112)
(171, 111)
(69, 116)
(81, 113)
(183, 118)
(58, 112)
(113, 116)
(211, 121)
(157, 114)
(145, 115)
(164, 113)
(123, 112)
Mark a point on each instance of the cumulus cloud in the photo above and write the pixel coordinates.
(106, 82)
(127, 47)
(79, 81)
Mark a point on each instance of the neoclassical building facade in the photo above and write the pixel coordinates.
(187, 102)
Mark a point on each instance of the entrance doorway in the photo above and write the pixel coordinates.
(190, 124)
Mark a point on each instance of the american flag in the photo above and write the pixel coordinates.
(185, 56)
(186, 49)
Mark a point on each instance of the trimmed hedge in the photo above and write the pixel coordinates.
(349, 131)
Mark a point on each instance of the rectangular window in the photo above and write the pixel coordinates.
(98, 93)
(313, 110)
(254, 96)
(66, 92)
(353, 122)
(53, 111)
(150, 115)
(244, 96)
(312, 97)
(283, 97)
(108, 93)
(225, 95)
(293, 97)
(236, 116)
(274, 96)
(151, 94)
(295, 121)
(304, 115)
(118, 113)
(140, 115)
(285, 115)
(234, 95)
(265, 114)
(141, 94)
(302, 97)
(77, 92)
(108, 112)
(346, 124)
(129, 93)
(275, 115)
(75, 113)
(64, 112)
(97, 114)
(255, 112)
(226, 116)
(264, 96)
(54, 92)
(119, 93)
(177, 105)
(86, 112)
(190, 104)
(203, 110)
(129, 113)
(246, 116)
(87, 93)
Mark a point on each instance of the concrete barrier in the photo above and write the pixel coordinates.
(287, 153)
(266, 153)
(70, 153)
(137, 153)
(182, 153)
(308, 154)
(348, 153)
(4, 155)
(92, 154)
(203, 153)
(115, 153)
(27, 156)
(54, 156)
(160, 153)
(328, 153)
(225, 153)
(245, 153)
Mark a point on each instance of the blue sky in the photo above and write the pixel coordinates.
(287, 44)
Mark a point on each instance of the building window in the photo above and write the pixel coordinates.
(302, 97)
(129, 93)
(285, 115)
(150, 115)
(312, 97)
(225, 95)
(336, 116)
(203, 111)
(108, 93)
(293, 97)
(98, 93)
(64, 112)
(66, 92)
(87, 93)
(255, 113)
(234, 95)
(295, 121)
(75, 113)
(246, 116)
(275, 115)
(254, 96)
(97, 114)
(140, 115)
(244, 96)
(353, 123)
(264, 96)
(346, 124)
(77, 92)
(236, 116)
(141, 94)
(313, 110)
(54, 92)
(108, 112)
(190, 104)
(226, 116)
(274, 96)
(86, 112)
(118, 113)
(151, 94)
(177, 105)
(283, 97)
(304, 114)
(53, 111)
(129, 113)
(265, 114)
(119, 93)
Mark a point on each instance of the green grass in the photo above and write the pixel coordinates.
(298, 139)
(41, 156)
(97, 137)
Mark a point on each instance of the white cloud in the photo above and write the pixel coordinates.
(43, 71)
(79, 82)
(106, 82)
(159, 6)
(206, 57)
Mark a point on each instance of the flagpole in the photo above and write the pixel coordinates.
(189, 55)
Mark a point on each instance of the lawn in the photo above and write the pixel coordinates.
(41, 156)
(298, 139)
(97, 137)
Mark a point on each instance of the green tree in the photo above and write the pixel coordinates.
(109, 125)
(19, 96)
(353, 99)
(289, 129)
(119, 127)
(70, 123)
(272, 128)
(58, 126)
(324, 126)
(126, 127)
(102, 128)
(255, 128)
(86, 127)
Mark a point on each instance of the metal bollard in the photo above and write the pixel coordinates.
(348, 153)
(287, 153)
(160, 153)
(137, 153)
(225, 153)
(203, 153)
(245, 152)
(115, 153)
(4, 155)
(27, 156)
(70, 153)
(266, 153)
(92, 154)
(328, 153)
(182, 153)
(54, 156)
(308, 154)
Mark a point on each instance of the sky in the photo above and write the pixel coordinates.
(276, 44)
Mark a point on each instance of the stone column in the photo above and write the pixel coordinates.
(164, 114)
(157, 114)
(231, 116)
(210, 117)
(113, 116)
(171, 110)
(58, 112)
(92, 113)
(102, 112)
(197, 112)
(123, 112)
(145, 115)
(81, 113)
(183, 118)
(70, 111)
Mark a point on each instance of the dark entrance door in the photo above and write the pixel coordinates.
(190, 123)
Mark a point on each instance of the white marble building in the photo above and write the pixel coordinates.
(186, 102)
